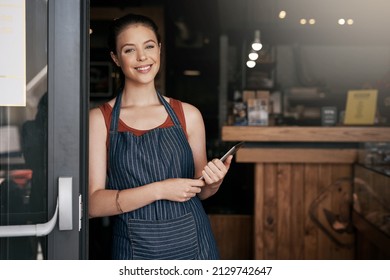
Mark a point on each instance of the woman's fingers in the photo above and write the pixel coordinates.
(192, 189)
(215, 170)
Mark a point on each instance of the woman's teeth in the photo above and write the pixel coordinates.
(143, 68)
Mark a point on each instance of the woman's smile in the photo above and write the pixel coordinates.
(144, 69)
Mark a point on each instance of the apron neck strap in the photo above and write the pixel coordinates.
(116, 111)
(169, 109)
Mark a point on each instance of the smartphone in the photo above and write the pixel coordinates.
(232, 151)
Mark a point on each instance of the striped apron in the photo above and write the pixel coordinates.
(163, 229)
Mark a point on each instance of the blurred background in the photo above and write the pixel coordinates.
(275, 73)
(313, 52)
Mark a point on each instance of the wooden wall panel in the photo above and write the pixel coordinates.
(283, 220)
(342, 205)
(311, 192)
(270, 211)
(259, 217)
(325, 180)
(297, 212)
(233, 234)
(284, 196)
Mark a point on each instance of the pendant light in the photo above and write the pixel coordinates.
(253, 55)
(256, 45)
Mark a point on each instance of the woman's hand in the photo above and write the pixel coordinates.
(180, 189)
(213, 174)
(215, 170)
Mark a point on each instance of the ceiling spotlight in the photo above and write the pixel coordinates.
(303, 21)
(256, 45)
(282, 14)
(341, 21)
(250, 63)
(350, 21)
(253, 55)
(312, 21)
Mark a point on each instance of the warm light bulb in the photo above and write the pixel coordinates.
(303, 21)
(350, 21)
(282, 14)
(312, 21)
(257, 46)
(250, 63)
(341, 21)
(253, 55)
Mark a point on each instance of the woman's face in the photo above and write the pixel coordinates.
(138, 54)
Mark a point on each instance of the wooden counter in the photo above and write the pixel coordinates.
(305, 134)
(295, 186)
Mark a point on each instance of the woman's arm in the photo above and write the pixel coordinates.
(213, 171)
(104, 202)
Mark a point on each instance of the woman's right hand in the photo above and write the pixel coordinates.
(180, 189)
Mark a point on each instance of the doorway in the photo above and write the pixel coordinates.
(43, 138)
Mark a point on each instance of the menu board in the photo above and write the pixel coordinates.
(361, 107)
(12, 53)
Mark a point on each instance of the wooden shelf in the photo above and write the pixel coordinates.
(296, 155)
(305, 134)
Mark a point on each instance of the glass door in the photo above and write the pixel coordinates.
(44, 89)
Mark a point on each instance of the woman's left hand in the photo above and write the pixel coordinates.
(213, 174)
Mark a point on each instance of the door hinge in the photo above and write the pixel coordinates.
(80, 211)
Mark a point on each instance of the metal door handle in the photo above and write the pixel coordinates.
(63, 211)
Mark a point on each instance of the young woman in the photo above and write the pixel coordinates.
(151, 149)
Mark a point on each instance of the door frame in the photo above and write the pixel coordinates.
(68, 106)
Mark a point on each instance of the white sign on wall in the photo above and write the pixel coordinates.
(12, 53)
